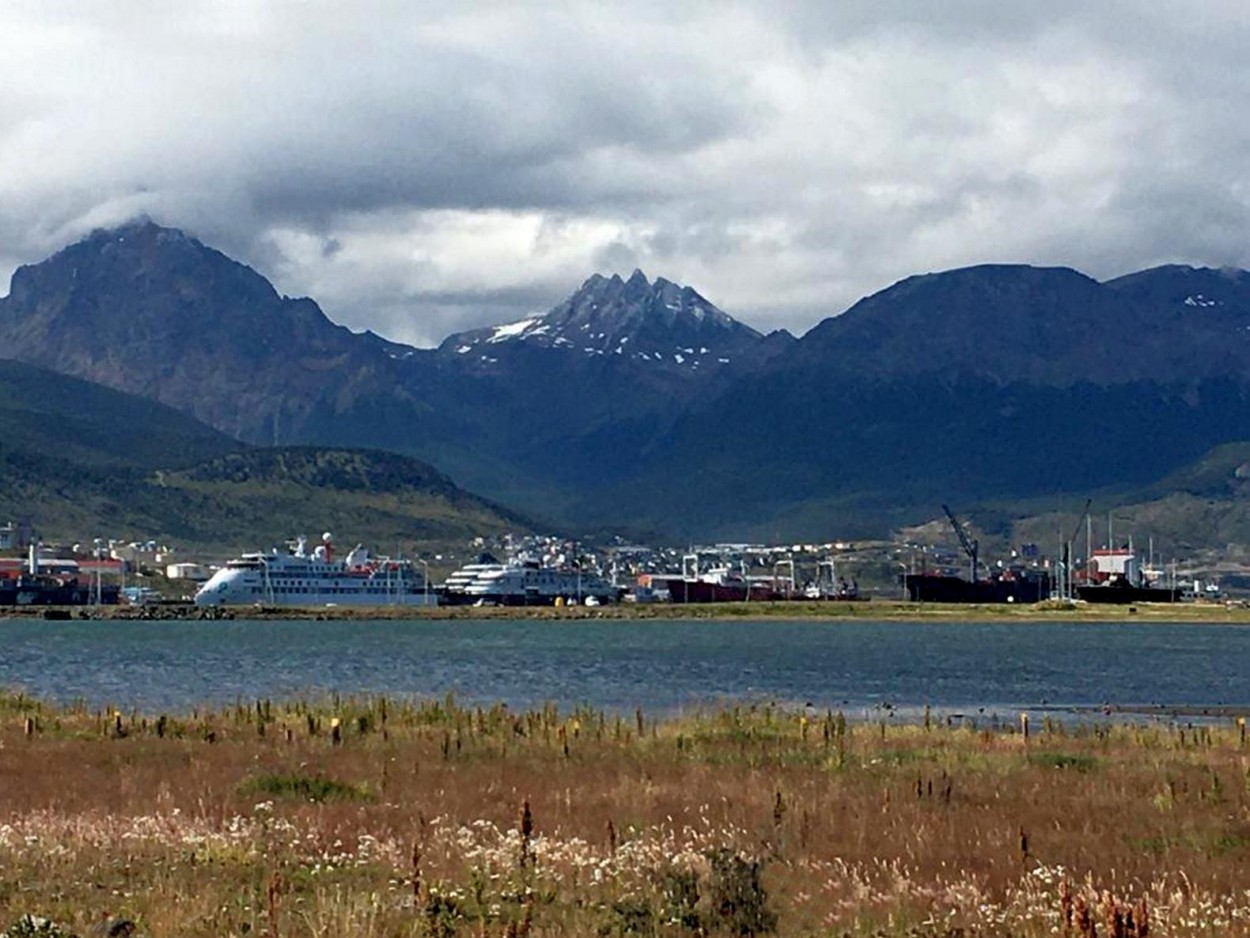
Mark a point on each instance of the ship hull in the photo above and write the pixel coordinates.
(1125, 595)
(364, 602)
(704, 591)
(303, 599)
(932, 588)
(534, 599)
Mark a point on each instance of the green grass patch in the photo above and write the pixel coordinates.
(305, 788)
(1217, 844)
(1064, 760)
(894, 758)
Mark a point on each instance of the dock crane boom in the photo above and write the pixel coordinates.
(971, 546)
(1081, 520)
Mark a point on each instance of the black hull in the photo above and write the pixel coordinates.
(930, 588)
(1125, 595)
(26, 591)
(681, 591)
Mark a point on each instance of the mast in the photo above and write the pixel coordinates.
(1089, 547)
(1067, 549)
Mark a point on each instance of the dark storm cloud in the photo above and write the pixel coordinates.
(420, 168)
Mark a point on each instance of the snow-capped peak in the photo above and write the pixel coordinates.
(634, 319)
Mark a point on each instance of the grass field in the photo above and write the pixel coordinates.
(380, 818)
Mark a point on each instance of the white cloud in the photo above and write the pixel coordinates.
(420, 168)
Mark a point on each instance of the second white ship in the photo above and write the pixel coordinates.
(527, 583)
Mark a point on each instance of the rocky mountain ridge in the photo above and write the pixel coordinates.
(1042, 326)
(639, 403)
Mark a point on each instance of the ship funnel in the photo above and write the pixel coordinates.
(33, 559)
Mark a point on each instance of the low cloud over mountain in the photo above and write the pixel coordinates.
(430, 169)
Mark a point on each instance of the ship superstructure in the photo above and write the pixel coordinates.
(453, 591)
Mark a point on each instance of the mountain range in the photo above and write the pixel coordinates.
(638, 405)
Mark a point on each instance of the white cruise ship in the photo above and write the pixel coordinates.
(529, 583)
(453, 591)
(298, 578)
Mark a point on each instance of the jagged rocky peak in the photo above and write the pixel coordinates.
(659, 322)
(617, 305)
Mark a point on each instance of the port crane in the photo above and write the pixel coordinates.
(970, 545)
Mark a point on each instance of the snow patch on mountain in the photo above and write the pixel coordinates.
(1199, 300)
(512, 330)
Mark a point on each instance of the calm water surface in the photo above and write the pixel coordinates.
(662, 666)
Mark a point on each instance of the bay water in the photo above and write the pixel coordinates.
(862, 668)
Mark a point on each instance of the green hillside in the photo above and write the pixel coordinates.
(1203, 506)
(74, 421)
(263, 496)
(81, 461)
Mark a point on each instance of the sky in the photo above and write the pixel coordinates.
(419, 168)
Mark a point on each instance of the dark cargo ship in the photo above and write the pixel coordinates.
(1014, 585)
(38, 582)
(46, 590)
(939, 588)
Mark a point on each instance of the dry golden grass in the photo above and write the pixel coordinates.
(381, 818)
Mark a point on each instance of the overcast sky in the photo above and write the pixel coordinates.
(420, 168)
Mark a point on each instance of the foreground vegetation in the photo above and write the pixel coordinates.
(385, 818)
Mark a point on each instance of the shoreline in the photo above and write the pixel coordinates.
(875, 609)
